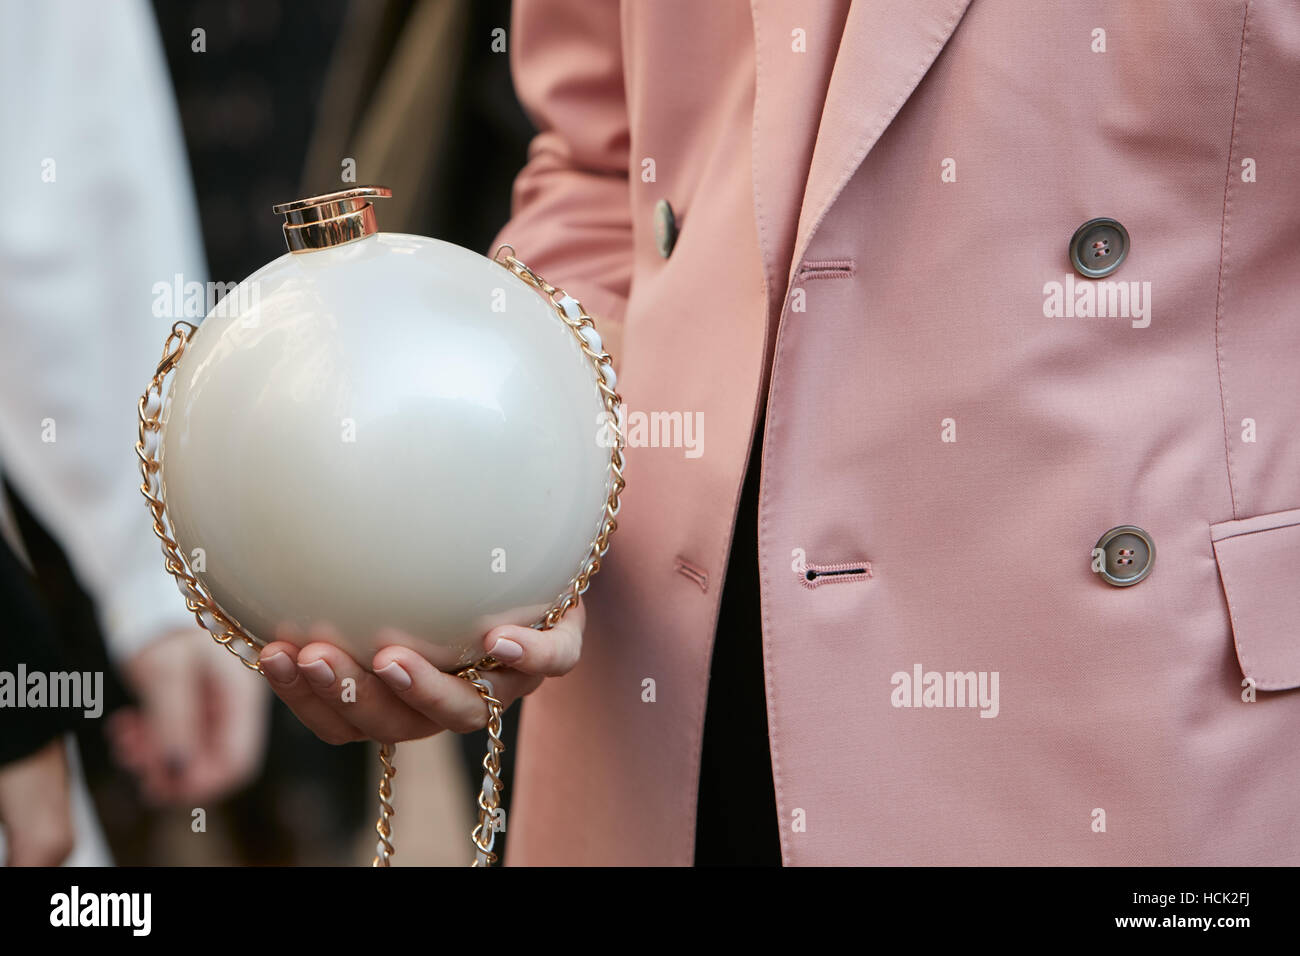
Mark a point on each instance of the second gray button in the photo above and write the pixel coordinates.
(1098, 247)
(1128, 554)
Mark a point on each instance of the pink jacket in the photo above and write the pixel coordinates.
(876, 208)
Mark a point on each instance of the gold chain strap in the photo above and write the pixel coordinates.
(489, 796)
(384, 825)
(583, 327)
(226, 631)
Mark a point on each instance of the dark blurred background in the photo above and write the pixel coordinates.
(287, 91)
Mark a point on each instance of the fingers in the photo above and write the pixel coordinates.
(132, 744)
(280, 665)
(244, 721)
(443, 698)
(550, 653)
(172, 709)
(230, 706)
(136, 748)
(166, 677)
(530, 654)
(359, 697)
(236, 727)
(406, 697)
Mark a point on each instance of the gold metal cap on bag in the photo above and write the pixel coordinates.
(319, 222)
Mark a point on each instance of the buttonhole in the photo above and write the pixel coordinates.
(815, 575)
(812, 575)
(828, 269)
(692, 572)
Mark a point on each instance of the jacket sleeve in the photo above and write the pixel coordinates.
(571, 207)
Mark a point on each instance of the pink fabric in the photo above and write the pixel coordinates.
(1115, 704)
(1264, 614)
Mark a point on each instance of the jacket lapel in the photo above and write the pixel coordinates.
(795, 44)
(886, 47)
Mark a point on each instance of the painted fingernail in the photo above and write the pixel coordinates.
(506, 650)
(279, 668)
(318, 672)
(395, 676)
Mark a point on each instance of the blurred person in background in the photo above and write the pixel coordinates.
(100, 210)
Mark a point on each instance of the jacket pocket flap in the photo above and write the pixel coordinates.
(1259, 565)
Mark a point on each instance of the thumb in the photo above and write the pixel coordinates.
(550, 653)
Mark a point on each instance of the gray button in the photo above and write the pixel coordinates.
(1129, 555)
(1098, 247)
(665, 228)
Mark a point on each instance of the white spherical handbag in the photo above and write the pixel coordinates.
(380, 430)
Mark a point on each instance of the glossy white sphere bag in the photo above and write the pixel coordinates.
(382, 431)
